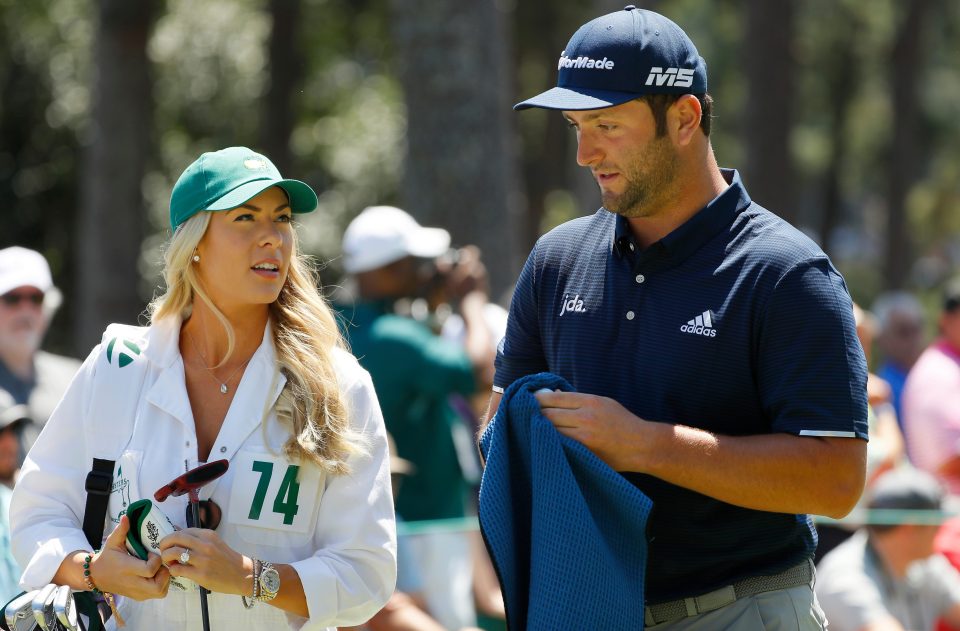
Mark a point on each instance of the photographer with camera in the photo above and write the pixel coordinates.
(403, 273)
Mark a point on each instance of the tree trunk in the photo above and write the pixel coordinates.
(770, 67)
(841, 77)
(112, 208)
(905, 64)
(545, 152)
(41, 219)
(461, 164)
(285, 72)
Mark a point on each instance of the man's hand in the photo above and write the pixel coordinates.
(601, 424)
(469, 275)
(777, 472)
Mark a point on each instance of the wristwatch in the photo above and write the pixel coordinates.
(269, 581)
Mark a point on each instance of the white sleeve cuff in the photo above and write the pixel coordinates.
(48, 558)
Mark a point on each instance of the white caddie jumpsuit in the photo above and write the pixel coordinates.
(338, 532)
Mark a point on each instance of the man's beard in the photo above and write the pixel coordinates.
(650, 174)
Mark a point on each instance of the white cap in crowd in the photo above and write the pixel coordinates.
(381, 235)
(11, 414)
(20, 267)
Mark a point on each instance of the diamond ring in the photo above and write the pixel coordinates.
(185, 557)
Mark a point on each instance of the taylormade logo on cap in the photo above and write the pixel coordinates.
(639, 52)
(585, 62)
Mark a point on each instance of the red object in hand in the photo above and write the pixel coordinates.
(192, 480)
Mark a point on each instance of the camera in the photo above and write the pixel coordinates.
(449, 259)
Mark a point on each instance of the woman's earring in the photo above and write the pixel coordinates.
(196, 258)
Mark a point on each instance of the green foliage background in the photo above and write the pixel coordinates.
(210, 74)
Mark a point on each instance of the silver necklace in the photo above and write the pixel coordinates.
(224, 389)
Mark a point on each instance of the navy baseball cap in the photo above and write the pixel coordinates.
(621, 56)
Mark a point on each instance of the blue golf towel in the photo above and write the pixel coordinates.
(566, 533)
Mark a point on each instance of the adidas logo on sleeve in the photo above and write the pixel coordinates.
(701, 325)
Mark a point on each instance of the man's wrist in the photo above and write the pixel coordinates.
(651, 447)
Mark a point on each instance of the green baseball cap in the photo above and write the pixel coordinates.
(225, 179)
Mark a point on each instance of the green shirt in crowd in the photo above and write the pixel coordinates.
(415, 372)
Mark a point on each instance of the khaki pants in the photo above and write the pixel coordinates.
(793, 609)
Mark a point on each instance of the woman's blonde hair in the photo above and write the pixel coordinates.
(305, 335)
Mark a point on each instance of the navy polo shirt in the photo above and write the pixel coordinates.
(735, 323)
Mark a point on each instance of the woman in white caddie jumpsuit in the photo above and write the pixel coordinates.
(242, 361)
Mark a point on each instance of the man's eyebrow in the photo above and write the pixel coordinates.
(586, 117)
(593, 115)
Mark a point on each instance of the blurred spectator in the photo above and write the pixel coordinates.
(900, 319)
(416, 373)
(486, 585)
(887, 576)
(931, 399)
(405, 611)
(439, 311)
(453, 329)
(401, 613)
(947, 543)
(30, 376)
(12, 419)
(885, 449)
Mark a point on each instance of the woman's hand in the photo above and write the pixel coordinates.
(212, 563)
(116, 571)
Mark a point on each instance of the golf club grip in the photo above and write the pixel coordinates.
(195, 514)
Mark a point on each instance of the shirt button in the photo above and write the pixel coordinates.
(223, 450)
(630, 315)
(632, 248)
(188, 443)
(640, 278)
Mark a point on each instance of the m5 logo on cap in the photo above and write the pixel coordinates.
(679, 77)
(585, 62)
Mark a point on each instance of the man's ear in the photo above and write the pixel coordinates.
(683, 119)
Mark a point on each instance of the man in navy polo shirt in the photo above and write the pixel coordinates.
(712, 346)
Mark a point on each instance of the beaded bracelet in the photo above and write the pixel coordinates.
(86, 571)
(107, 596)
(255, 596)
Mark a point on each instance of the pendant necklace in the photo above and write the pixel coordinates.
(224, 389)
